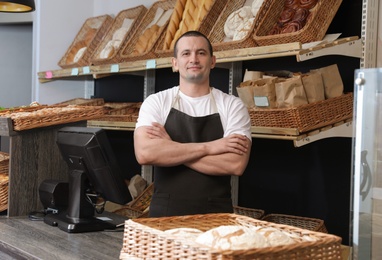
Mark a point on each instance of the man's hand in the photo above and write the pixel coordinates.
(233, 143)
(157, 131)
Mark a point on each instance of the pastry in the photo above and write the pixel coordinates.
(286, 16)
(236, 20)
(294, 4)
(275, 237)
(291, 27)
(301, 15)
(275, 30)
(309, 4)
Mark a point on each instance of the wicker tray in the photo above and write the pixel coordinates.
(205, 27)
(126, 54)
(314, 29)
(4, 181)
(144, 239)
(296, 221)
(43, 116)
(305, 117)
(121, 112)
(89, 36)
(136, 13)
(4, 163)
(253, 213)
(83, 102)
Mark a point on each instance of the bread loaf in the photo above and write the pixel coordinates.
(146, 39)
(174, 23)
(186, 233)
(108, 51)
(236, 20)
(232, 237)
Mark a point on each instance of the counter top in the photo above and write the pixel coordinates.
(22, 238)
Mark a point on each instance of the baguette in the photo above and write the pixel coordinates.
(174, 23)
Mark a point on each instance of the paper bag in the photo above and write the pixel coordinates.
(252, 75)
(333, 84)
(245, 93)
(264, 94)
(314, 86)
(290, 92)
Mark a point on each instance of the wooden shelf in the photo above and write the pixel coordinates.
(340, 129)
(351, 46)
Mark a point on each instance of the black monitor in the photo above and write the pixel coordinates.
(93, 173)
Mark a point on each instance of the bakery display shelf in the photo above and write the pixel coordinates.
(350, 46)
(340, 129)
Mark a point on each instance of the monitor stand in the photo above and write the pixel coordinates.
(63, 222)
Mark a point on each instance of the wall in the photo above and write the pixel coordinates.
(15, 64)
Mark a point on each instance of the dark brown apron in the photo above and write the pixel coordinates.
(180, 190)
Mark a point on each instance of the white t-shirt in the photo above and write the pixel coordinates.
(233, 113)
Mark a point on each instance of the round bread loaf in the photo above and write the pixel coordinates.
(236, 20)
(232, 237)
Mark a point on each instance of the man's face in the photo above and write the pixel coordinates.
(193, 60)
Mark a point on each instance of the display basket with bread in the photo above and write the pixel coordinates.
(306, 117)
(223, 236)
(236, 23)
(83, 102)
(301, 21)
(124, 26)
(143, 42)
(313, 224)
(189, 15)
(42, 116)
(86, 41)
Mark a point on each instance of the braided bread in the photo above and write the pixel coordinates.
(174, 23)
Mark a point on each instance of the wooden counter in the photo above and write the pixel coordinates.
(21, 238)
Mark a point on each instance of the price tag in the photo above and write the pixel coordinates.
(48, 75)
(74, 72)
(86, 70)
(261, 101)
(114, 68)
(151, 64)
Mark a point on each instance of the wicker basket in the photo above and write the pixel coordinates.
(217, 35)
(4, 181)
(126, 54)
(136, 14)
(305, 117)
(253, 213)
(89, 36)
(296, 221)
(121, 112)
(144, 239)
(314, 29)
(43, 116)
(205, 27)
(83, 102)
(4, 162)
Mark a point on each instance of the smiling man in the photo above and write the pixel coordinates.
(194, 135)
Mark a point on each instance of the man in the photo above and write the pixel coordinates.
(196, 136)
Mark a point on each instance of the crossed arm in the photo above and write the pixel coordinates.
(225, 156)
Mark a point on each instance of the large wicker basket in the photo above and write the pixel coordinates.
(4, 162)
(127, 50)
(42, 116)
(144, 239)
(83, 102)
(4, 180)
(314, 29)
(305, 117)
(136, 14)
(89, 36)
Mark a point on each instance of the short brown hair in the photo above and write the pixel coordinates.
(195, 34)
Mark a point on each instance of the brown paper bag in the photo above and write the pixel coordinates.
(332, 81)
(264, 94)
(314, 86)
(290, 92)
(252, 75)
(245, 93)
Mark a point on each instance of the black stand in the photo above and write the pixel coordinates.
(79, 217)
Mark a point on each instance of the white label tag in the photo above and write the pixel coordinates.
(261, 101)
